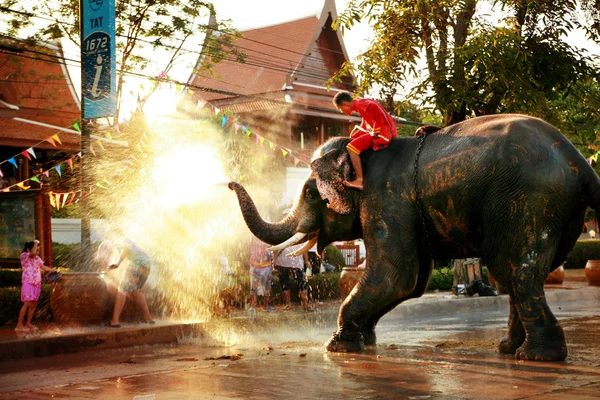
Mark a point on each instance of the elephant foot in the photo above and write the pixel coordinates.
(369, 337)
(509, 346)
(345, 343)
(552, 347)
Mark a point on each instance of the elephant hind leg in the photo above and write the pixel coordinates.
(533, 331)
(515, 336)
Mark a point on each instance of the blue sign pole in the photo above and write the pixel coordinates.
(99, 84)
(98, 90)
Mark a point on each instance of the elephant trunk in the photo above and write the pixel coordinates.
(271, 233)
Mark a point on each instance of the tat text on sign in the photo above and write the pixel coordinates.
(99, 83)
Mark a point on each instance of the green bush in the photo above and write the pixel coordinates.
(442, 279)
(69, 256)
(10, 305)
(10, 277)
(332, 255)
(583, 251)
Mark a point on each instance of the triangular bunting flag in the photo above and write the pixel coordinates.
(99, 185)
(223, 121)
(51, 141)
(76, 126)
(70, 162)
(35, 179)
(65, 197)
(79, 154)
(248, 133)
(47, 173)
(51, 195)
(296, 161)
(271, 145)
(108, 135)
(258, 138)
(25, 154)
(190, 91)
(22, 185)
(92, 149)
(117, 129)
(57, 201)
(285, 153)
(244, 128)
(262, 140)
(55, 137)
(101, 144)
(30, 151)
(217, 110)
(57, 168)
(6, 190)
(1, 174)
(13, 162)
(237, 126)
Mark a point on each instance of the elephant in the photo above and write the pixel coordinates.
(509, 189)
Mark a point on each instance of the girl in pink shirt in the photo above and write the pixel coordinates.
(31, 284)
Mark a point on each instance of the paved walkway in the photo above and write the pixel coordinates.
(52, 339)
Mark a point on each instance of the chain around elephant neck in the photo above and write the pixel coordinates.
(417, 194)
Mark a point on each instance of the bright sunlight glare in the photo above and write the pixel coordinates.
(197, 171)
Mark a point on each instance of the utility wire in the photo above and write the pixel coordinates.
(266, 65)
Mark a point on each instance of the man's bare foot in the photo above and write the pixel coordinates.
(356, 184)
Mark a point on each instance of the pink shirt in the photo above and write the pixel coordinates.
(259, 255)
(31, 269)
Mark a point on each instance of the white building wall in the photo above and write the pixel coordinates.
(68, 230)
(294, 179)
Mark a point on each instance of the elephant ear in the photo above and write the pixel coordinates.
(330, 170)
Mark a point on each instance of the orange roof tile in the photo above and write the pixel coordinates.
(42, 90)
(272, 53)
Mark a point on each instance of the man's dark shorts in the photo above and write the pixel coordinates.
(284, 278)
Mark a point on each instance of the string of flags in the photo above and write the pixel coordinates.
(593, 158)
(227, 121)
(28, 153)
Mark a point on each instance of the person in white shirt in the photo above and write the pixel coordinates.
(287, 265)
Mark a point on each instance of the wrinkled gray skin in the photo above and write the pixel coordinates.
(510, 189)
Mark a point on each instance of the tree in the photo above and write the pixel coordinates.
(472, 67)
(167, 25)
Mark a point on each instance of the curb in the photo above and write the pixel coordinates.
(97, 340)
(437, 304)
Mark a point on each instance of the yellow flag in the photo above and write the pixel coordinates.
(51, 195)
(56, 138)
(22, 185)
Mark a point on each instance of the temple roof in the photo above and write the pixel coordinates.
(37, 97)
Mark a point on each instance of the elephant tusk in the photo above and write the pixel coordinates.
(307, 246)
(291, 241)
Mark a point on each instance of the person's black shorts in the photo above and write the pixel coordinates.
(284, 278)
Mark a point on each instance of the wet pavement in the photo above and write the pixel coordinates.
(445, 350)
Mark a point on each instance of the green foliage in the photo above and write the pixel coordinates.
(583, 251)
(69, 256)
(332, 255)
(473, 68)
(321, 287)
(10, 305)
(441, 279)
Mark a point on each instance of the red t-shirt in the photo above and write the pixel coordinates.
(375, 120)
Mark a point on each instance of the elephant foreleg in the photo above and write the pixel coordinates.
(368, 329)
(380, 290)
